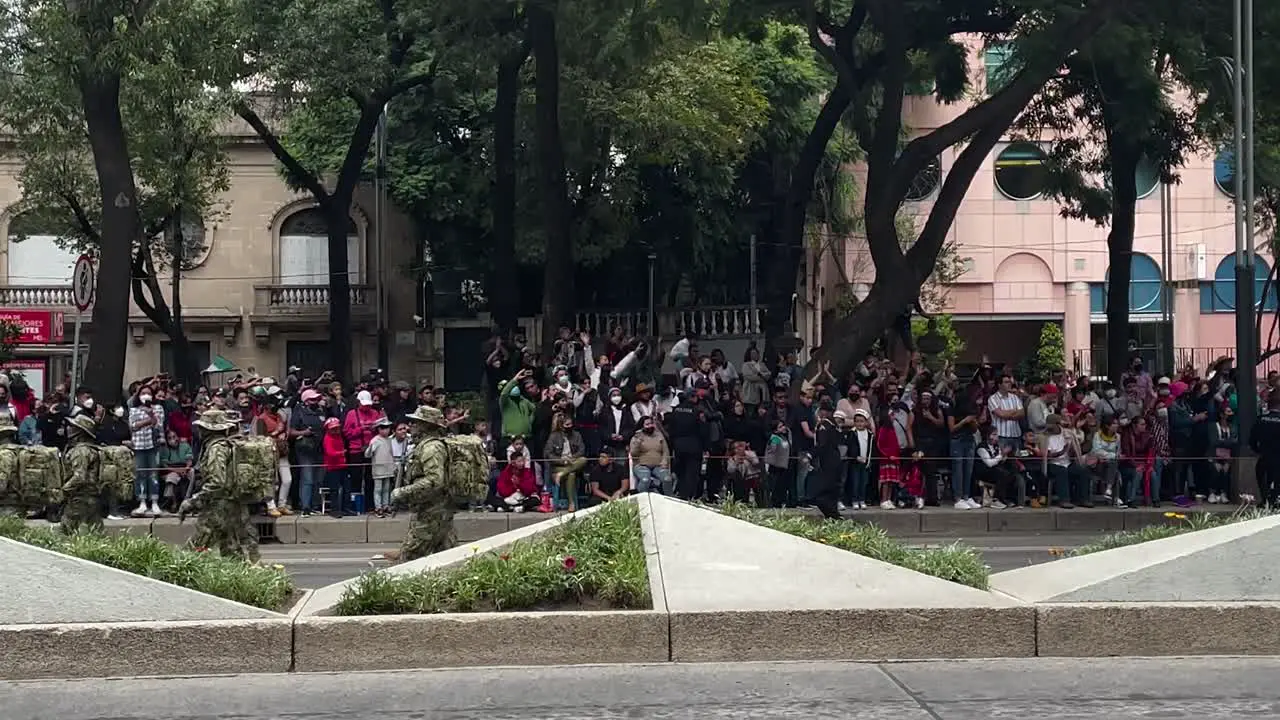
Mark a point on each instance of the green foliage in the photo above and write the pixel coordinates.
(266, 587)
(947, 329)
(955, 562)
(1177, 524)
(599, 558)
(1051, 352)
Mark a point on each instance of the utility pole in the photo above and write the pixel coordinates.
(380, 219)
(753, 323)
(1246, 337)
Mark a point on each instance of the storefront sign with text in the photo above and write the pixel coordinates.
(35, 326)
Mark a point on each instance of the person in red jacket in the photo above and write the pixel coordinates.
(335, 466)
(358, 427)
(517, 488)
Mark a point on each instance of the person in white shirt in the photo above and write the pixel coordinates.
(644, 405)
(1061, 452)
(861, 446)
(1007, 413)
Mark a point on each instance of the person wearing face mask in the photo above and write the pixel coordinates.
(777, 459)
(650, 458)
(306, 430)
(146, 423)
(358, 429)
(113, 430)
(1158, 424)
(1109, 405)
(615, 424)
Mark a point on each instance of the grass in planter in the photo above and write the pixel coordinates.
(1180, 523)
(267, 587)
(599, 558)
(955, 562)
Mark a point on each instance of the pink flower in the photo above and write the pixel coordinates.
(570, 563)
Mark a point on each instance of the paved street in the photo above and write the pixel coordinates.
(1043, 689)
(318, 565)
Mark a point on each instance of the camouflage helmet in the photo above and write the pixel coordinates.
(428, 415)
(84, 423)
(216, 420)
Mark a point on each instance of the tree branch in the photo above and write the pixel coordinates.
(304, 176)
(404, 85)
(143, 275)
(82, 218)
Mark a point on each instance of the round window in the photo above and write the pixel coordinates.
(1020, 171)
(926, 181)
(1224, 172)
(1147, 177)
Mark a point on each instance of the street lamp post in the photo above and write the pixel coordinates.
(1246, 337)
(653, 331)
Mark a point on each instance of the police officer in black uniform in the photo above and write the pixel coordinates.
(1264, 440)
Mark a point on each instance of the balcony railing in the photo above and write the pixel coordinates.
(58, 296)
(303, 297)
(707, 321)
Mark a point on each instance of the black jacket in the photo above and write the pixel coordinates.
(1264, 439)
(626, 428)
(686, 430)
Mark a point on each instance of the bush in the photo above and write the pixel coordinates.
(1051, 354)
(267, 587)
(953, 343)
(1180, 523)
(597, 558)
(955, 563)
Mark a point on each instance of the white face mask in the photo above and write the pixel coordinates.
(88, 403)
(563, 379)
(616, 400)
(145, 398)
(1111, 393)
(118, 412)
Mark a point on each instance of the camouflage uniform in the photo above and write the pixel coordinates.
(431, 522)
(11, 500)
(81, 508)
(224, 523)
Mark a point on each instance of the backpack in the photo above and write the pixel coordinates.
(466, 465)
(116, 470)
(11, 492)
(254, 466)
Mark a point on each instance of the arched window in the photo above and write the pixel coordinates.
(36, 259)
(304, 249)
(1219, 296)
(1144, 288)
(1224, 172)
(1020, 171)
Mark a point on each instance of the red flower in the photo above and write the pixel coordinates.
(570, 563)
(504, 556)
(201, 549)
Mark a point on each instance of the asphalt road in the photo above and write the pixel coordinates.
(318, 565)
(1043, 689)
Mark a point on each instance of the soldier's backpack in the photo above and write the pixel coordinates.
(254, 466)
(116, 470)
(466, 465)
(11, 492)
(40, 473)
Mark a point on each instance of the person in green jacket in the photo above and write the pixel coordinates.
(517, 406)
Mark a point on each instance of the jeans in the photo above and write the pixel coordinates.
(803, 466)
(286, 482)
(963, 453)
(855, 485)
(310, 473)
(146, 483)
(649, 479)
(382, 492)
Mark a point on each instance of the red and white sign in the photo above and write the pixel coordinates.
(35, 326)
(33, 371)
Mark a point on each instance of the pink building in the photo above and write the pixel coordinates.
(1022, 264)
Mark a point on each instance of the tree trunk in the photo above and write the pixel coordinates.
(121, 225)
(557, 294)
(184, 361)
(1124, 203)
(337, 219)
(504, 295)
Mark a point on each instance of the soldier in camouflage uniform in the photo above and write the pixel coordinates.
(11, 500)
(431, 522)
(224, 523)
(81, 508)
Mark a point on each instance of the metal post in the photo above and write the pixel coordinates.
(380, 216)
(1246, 357)
(75, 353)
(1165, 358)
(652, 329)
(753, 325)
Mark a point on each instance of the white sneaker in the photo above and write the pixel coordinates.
(155, 510)
(919, 503)
(1215, 499)
(841, 507)
(973, 504)
(862, 506)
(114, 516)
(886, 505)
(963, 504)
(141, 510)
(998, 505)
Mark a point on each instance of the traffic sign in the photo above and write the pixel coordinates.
(82, 280)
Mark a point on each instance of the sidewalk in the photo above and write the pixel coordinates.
(472, 526)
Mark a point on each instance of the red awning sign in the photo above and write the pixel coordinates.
(35, 326)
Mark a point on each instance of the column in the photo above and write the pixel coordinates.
(1186, 323)
(1075, 327)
